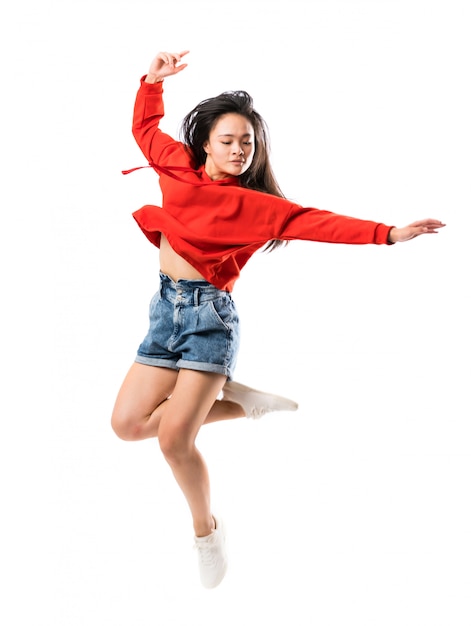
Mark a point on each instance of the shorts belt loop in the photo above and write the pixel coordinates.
(196, 296)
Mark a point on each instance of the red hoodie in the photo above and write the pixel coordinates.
(217, 225)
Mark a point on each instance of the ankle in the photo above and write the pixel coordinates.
(206, 528)
(233, 409)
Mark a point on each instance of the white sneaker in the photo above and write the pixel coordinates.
(212, 556)
(256, 403)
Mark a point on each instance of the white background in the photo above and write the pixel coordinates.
(356, 509)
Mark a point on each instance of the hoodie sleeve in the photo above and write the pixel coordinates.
(316, 225)
(156, 146)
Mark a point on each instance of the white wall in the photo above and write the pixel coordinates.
(353, 511)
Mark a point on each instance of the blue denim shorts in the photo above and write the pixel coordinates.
(193, 325)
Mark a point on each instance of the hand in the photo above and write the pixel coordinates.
(165, 64)
(422, 227)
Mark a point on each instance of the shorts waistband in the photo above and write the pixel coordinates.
(190, 292)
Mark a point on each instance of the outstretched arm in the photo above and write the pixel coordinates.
(149, 110)
(165, 64)
(422, 227)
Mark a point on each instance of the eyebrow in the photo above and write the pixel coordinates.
(231, 135)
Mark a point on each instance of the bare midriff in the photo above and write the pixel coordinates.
(175, 266)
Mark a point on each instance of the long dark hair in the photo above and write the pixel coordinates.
(197, 125)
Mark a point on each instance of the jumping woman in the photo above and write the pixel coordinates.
(220, 204)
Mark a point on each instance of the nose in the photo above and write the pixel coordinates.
(238, 149)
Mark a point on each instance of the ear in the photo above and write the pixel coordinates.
(206, 146)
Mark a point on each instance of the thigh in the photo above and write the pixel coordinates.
(143, 389)
(192, 398)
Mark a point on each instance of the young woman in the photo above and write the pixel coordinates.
(220, 204)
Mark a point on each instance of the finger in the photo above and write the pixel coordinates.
(165, 57)
(428, 222)
(426, 230)
(181, 67)
(434, 223)
(178, 56)
(174, 56)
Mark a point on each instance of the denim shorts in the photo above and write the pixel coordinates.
(193, 325)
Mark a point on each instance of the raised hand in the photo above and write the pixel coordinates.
(422, 227)
(165, 64)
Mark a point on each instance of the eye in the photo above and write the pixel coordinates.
(247, 143)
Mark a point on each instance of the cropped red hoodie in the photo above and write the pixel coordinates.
(218, 225)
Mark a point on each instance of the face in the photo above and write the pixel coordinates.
(230, 147)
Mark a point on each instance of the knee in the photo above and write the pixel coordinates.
(125, 427)
(175, 444)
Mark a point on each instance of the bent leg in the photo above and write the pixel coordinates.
(181, 418)
(142, 398)
(143, 390)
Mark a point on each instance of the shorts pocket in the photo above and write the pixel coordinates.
(224, 312)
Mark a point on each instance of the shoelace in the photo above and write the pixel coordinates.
(206, 552)
(258, 412)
